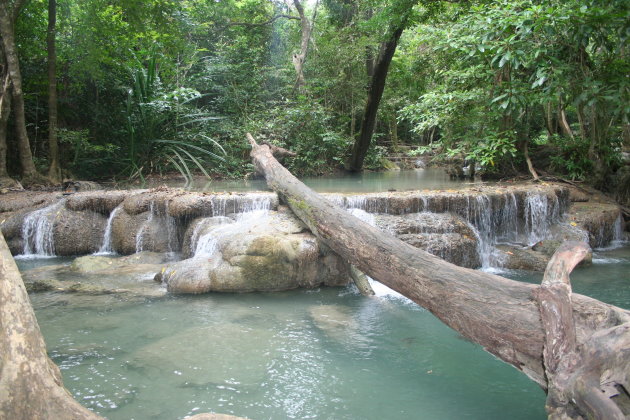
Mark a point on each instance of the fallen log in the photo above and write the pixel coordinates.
(509, 319)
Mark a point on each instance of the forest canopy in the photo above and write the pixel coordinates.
(161, 86)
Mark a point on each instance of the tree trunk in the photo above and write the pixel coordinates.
(5, 110)
(300, 58)
(375, 93)
(501, 315)
(54, 172)
(8, 40)
(30, 383)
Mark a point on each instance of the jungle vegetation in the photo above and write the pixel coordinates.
(102, 89)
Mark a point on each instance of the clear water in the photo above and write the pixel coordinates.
(430, 178)
(324, 354)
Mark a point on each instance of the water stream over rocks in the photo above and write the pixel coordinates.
(128, 348)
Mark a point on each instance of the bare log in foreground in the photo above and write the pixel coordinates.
(581, 357)
(30, 383)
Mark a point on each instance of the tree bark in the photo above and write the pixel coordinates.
(54, 171)
(5, 110)
(30, 383)
(7, 28)
(501, 315)
(300, 58)
(375, 93)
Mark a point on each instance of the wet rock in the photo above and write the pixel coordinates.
(144, 232)
(198, 228)
(70, 185)
(258, 253)
(92, 263)
(193, 205)
(602, 221)
(518, 258)
(578, 196)
(78, 232)
(445, 235)
(535, 258)
(101, 275)
(15, 206)
(101, 201)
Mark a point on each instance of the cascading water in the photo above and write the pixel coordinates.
(539, 215)
(141, 232)
(106, 247)
(171, 229)
(37, 231)
(205, 245)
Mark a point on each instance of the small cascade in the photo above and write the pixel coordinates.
(106, 247)
(483, 223)
(37, 231)
(171, 230)
(218, 205)
(363, 215)
(540, 214)
(141, 232)
(207, 244)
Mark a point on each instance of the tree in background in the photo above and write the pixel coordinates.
(8, 15)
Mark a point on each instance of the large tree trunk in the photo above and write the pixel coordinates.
(502, 315)
(54, 171)
(375, 93)
(5, 110)
(30, 383)
(7, 26)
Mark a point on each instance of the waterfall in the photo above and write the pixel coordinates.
(206, 245)
(143, 229)
(106, 247)
(539, 215)
(218, 205)
(37, 231)
(171, 229)
(481, 218)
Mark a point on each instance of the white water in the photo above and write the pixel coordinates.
(106, 247)
(206, 245)
(37, 232)
(143, 229)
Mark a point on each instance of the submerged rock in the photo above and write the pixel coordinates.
(95, 274)
(261, 252)
(233, 353)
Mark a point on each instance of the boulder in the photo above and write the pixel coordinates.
(445, 235)
(258, 252)
(144, 232)
(519, 258)
(602, 221)
(78, 232)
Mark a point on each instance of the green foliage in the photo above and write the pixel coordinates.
(141, 83)
(306, 128)
(163, 131)
(572, 157)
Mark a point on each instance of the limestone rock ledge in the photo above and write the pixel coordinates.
(266, 251)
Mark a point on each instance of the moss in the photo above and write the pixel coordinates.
(267, 264)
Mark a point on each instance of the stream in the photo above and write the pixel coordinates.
(326, 353)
